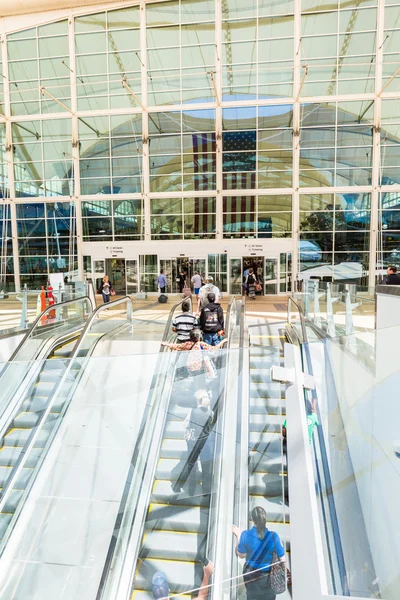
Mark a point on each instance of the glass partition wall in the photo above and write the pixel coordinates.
(203, 120)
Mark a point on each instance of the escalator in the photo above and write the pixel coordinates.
(18, 431)
(262, 479)
(177, 524)
(37, 409)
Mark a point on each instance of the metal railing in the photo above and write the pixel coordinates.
(301, 315)
(38, 323)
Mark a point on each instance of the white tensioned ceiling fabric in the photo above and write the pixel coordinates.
(21, 7)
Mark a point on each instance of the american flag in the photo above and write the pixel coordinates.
(239, 160)
(204, 161)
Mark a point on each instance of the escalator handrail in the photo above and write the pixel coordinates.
(99, 310)
(302, 318)
(40, 317)
(135, 454)
(238, 508)
(211, 540)
(168, 325)
(306, 357)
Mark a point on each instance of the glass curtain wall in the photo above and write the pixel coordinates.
(217, 120)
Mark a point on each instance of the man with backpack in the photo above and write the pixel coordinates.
(211, 321)
(208, 288)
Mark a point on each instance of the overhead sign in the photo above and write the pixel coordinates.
(115, 251)
(254, 248)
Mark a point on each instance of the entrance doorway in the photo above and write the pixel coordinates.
(257, 264)
(173, 266)
(265, 269)
(115, 269)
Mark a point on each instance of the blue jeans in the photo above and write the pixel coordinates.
(106, 297)
(211, 338)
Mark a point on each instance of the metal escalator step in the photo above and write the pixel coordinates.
(39, 403)
(192, 519)
(263, 463)
(262, 375)
(266, 353)
(180, 575)
(172, 545)
(55, 365)
(64, 352)
(13, 501)
(173, 448)
(177, 412)
(26, 420)
(22, 479)
(263, 391)
(277, 511)
(52, 376)
(43, 388)
(168, 468)
(162, 493)
(267, 406)
(262, 423)
(174, 429)
(18, 437)
(265, 441)
(266, 484)
(9, 456)
(4, 522)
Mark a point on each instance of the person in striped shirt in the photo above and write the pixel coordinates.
(184, 323)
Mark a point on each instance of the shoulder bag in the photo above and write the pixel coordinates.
(277, 574)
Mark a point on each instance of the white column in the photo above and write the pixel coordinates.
(297, 76)
(376, 149)
(75, 148)
(145, 126)
(10, 164)
(218, 115)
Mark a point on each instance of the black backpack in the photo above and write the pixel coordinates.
(251, 279)
(163, 299)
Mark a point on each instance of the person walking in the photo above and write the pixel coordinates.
(211, 321)
(200, 441)
(106, 289)
(160, 586)
(251, 282)
(184, 323)
(162, 281)
(208, 288)
(257, 546)
(181, 280)
(196, 281)
(392, 277)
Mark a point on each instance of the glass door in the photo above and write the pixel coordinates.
(235, 276)
(166, 264)
(285, 272)
(115, 269)
(218, 270)
(131, 269)
(271, 276)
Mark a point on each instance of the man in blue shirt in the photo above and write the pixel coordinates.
(162, 281)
